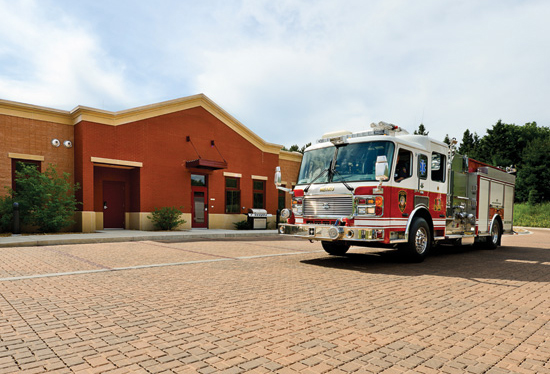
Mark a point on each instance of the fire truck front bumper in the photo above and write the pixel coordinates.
(329, 232)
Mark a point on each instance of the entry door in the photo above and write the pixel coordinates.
(199, 203)
(114, 197)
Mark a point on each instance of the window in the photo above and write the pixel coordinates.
(232, 195)
(258, 194)
(198, 180)
(438, 167)
(422, 166)
(403, 165)
(17, 165)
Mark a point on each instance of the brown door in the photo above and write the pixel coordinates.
(114, 210)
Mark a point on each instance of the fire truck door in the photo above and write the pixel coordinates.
(422, 171)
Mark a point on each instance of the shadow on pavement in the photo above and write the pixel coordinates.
(470, 262)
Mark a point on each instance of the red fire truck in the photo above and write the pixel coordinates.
(385, 187)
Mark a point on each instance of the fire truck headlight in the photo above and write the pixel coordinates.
(285, 213)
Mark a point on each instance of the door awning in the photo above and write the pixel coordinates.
(201, 163)
(206, 163)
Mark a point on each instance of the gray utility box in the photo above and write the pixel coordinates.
(257, 219)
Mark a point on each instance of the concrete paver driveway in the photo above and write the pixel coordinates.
(274, 305)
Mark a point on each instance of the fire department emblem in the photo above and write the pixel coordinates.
(402, 198)
(437, 205)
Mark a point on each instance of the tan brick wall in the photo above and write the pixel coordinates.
(33, 137)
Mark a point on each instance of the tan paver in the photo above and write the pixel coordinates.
(271, 305)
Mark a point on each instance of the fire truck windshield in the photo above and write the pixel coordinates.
(354, 162)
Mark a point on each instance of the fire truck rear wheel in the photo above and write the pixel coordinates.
(419, 240)
(494, 240)
(335, 248)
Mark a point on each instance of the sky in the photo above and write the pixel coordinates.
(288, 70)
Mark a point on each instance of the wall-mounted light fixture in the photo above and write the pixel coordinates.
(68, 144)
(56, 143)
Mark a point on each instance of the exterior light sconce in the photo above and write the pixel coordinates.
(67, 143)
(212, 144)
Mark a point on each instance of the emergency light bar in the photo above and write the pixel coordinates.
(380, 128)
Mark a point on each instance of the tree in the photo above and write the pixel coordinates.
(46, 200)
(421, 130)
(533, 176)
(296, 148)
(469, 145)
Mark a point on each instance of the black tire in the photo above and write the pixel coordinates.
(335, 248)
(420, 241)
(493, 241)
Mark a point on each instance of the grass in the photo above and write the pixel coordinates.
(532, 215)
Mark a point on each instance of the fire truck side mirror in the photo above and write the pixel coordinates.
(382, 169)
(278, 176)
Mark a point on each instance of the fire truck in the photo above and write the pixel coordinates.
(385, 187)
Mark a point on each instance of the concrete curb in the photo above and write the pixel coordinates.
(117, 236)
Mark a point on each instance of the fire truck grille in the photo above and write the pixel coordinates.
(328, 206)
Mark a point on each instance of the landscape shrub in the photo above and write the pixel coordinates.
(166, 218)
(242, 225)
(46, 200)
(6, 214)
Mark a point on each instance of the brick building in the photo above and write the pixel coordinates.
(186, 153)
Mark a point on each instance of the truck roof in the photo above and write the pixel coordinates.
(381, 132)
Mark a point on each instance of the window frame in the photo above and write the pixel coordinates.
(236, 190)
(409, 163)
(258, 192)
(442, 166)
(14, 162)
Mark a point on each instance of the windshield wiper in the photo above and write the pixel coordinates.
(317, 177)
(343, 181)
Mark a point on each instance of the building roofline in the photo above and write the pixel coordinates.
(83, 113)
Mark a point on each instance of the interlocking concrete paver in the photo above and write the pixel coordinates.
(238, 306)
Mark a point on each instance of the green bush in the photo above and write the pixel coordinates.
(166, 218)
(529, 215)
(6, 214)
(46, 200)
(242, 225)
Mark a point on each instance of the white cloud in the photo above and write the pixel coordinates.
(289, 70)
(50, 60)
(315, 68)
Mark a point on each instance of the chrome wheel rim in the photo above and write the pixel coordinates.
(494, 233)
(421, 240)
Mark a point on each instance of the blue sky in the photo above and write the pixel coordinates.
(288, 70)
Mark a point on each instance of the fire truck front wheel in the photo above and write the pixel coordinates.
(335, 248)
(419, 240)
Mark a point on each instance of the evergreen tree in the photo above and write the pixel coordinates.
(469, 145)
(421, 130)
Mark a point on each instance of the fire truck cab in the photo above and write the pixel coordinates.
(385, 187)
